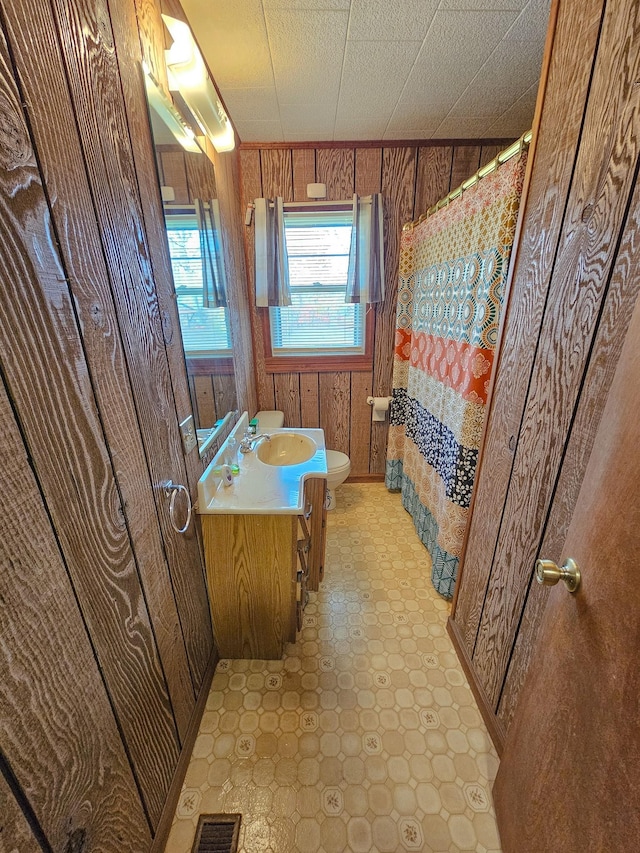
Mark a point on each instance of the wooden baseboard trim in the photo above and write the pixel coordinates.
(170, 804)
(493, 724)
(365, 478)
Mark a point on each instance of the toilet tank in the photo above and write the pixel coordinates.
(270, 420)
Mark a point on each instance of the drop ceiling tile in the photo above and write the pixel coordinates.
(310, 111)
(308, 85)
(422, 131)
(532, 22)
(432, 102)
(465, 127)
(307, 4)
(369, 129)
(461, 41)
(519, 115)
(307, 118)
(234, 45)
(299, 46)
(304, 137)
(379, 20)
(503, 78)
(251, 104)
(309, 132)
(440, 76)
(415, 118)
(496, 104)
(509, 128)
(307, 50)
(526, 102)
(385, 66)
(260, 131)
(483, 5)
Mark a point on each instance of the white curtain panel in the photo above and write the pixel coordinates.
(365, 278)
(214, 292)
(271, 259)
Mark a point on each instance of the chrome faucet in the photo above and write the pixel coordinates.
(249, 441)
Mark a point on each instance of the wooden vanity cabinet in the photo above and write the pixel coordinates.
(316, 505)
(259, 569)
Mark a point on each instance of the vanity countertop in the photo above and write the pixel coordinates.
(260, 488)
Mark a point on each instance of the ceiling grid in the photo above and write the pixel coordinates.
(324, 70)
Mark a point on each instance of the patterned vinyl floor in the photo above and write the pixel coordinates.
(366, 737)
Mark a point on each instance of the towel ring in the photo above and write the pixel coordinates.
(171, 491)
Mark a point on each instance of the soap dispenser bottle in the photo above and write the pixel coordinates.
(231, 455)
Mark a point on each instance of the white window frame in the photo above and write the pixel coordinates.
(184, 216)
(358, 345)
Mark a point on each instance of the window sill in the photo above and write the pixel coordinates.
(318, 364)
(205, 365)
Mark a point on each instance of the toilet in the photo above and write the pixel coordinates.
(338, 464)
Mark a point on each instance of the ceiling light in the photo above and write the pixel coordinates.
(166, 111)
(188, 75)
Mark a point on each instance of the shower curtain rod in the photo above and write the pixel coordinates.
(513, 150)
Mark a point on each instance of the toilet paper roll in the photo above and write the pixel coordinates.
(380, 407)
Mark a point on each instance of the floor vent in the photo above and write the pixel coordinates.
(217, 833)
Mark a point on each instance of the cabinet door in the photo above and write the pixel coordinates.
(251, 573)
(315, 502)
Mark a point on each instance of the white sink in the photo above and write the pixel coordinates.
(286, 448)
(271, 477)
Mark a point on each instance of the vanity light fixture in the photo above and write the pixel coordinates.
(188, 75)
(165, 110)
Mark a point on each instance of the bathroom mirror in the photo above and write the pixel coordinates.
(195, 235)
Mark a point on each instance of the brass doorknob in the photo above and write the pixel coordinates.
(548, 573)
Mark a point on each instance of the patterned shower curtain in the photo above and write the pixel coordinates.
(453, 267)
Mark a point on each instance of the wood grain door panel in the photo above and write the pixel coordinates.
(80, 248)
(59, 733)
(95, 87)
(568, 776)
(47, 377)
(617, 311)
(558, 136)
(596, 209)
(15, 831)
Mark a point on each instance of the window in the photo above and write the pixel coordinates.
(319, 324)
(205, 331)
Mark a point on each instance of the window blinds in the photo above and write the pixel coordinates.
(205, 331)
(319, 321)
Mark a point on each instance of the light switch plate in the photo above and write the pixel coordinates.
(188, 432)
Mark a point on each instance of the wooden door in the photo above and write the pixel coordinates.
(568, 777)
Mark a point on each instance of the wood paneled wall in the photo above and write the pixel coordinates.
(189, 175)
(105, 631)
(574, 287)
(411, 179)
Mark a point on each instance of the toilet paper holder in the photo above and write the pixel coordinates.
(380, 406)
